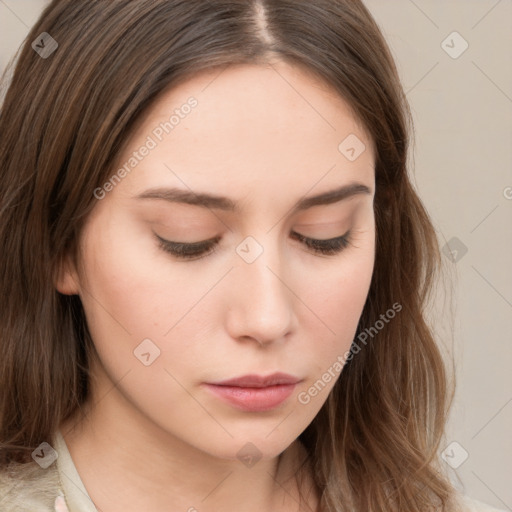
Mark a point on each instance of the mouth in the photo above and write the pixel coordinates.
(255, 393)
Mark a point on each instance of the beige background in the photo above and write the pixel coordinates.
(463, 160)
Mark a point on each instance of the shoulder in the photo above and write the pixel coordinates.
(28, 487)
(472, 505)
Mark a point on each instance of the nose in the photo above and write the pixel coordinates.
(260, 307)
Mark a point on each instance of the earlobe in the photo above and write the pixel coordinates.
(67, 281)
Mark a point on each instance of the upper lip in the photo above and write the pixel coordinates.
(259, 381)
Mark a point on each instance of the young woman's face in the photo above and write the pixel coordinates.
(258, 299)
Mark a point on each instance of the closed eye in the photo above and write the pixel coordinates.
(198, 250)
(329, 247)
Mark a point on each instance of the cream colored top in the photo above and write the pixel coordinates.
(59, 487)
(73, 490)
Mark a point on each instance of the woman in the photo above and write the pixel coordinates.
(215, 266)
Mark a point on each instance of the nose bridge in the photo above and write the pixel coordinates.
(262, 306)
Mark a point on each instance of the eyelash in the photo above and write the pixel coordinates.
(198, 250)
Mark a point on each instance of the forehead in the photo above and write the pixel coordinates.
(250, 126)
(250, 97)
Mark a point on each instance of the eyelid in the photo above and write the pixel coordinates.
(188, 244)
(188, 250)
(196, 250)
(326, 246)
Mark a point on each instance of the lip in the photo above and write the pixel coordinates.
(254, 392)
(259, 381)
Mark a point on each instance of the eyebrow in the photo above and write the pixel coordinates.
(202, 199)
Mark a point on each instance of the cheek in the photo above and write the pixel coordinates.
(345, 292)
(337, 298)
(132, 291)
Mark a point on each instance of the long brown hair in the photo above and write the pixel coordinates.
(64, 120)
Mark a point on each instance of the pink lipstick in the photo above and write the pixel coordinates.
(254, 392)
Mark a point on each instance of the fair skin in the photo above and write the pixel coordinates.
(154, 437)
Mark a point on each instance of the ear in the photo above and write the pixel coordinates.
(67, 281)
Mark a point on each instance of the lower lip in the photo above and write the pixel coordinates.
(253, 399)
